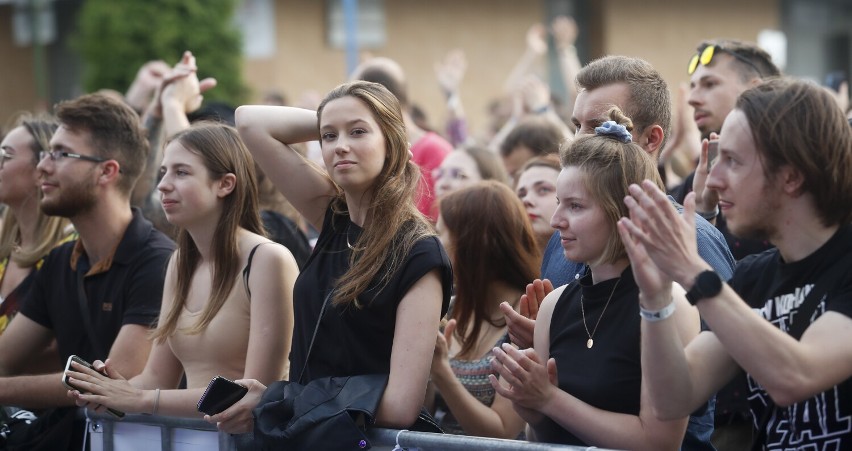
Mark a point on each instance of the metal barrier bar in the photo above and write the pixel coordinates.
(380, 438)
(426, 441)
(104, 425)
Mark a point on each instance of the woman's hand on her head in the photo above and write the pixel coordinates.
(238, 418)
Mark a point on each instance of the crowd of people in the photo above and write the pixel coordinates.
(591, 272)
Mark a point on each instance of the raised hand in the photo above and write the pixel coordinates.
(655, 287)
(564, 30)
(450, 71)
(667, 237)
(148, 78)
(706, 200)
(537, 39)
(535, 94)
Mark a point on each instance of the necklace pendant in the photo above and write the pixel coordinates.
(590, 343)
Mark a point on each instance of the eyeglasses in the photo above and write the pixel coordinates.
(58, 154)
(706, 56)
(452, 173)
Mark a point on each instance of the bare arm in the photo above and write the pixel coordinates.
(271, 282)
(417, 320)
(528, 377)
(498, 420)
(536, 45)
(564, 30)
(23, 337)
(267, 131)
(790, 370)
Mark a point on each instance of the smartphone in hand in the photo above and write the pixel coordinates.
(712, 153)
(116, 413)
(221, 393)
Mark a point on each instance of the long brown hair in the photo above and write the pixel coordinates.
(222, 152)
(491, 240)
(49, 230)
(393, 223)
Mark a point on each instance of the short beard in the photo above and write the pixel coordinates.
(76, 200)
(764, 228)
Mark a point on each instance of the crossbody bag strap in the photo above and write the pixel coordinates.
(314, 336)
(83, 302)
(797, 329)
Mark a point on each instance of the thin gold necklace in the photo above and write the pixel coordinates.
(590, 341)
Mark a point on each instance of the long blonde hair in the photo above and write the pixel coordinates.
(49, 230)
(223, 152)
(381, 248)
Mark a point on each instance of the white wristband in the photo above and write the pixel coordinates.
(657, 315)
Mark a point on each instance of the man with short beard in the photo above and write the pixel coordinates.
(785, 318)
(114, 271)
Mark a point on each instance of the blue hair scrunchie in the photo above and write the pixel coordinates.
(614, 129)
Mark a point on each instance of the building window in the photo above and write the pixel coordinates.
(370, 23)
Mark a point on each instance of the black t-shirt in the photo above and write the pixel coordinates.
(128, 292)
(776, 290)
(609, 375)
(353, 341)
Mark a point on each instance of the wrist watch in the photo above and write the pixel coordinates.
(707, 284)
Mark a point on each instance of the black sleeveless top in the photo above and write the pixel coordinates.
(609, 375)
(352, 341)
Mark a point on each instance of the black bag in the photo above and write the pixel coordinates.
(42, 430)
(330, 413)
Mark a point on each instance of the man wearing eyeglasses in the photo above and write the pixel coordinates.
(110, 280)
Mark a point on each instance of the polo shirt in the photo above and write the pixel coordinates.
(126, 288)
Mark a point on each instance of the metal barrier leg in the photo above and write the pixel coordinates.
(108, 427)
(165, 438)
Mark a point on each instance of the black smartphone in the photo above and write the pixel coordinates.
(712, 153)
(116, 413)
(221, 393)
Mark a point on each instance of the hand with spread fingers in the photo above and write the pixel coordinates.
(667, 237)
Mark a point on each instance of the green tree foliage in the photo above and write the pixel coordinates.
(115, 38)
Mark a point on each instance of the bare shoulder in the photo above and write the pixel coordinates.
(264, 252)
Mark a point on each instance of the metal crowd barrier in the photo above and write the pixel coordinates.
(154, 432)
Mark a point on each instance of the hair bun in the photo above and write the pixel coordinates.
(615, 130)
